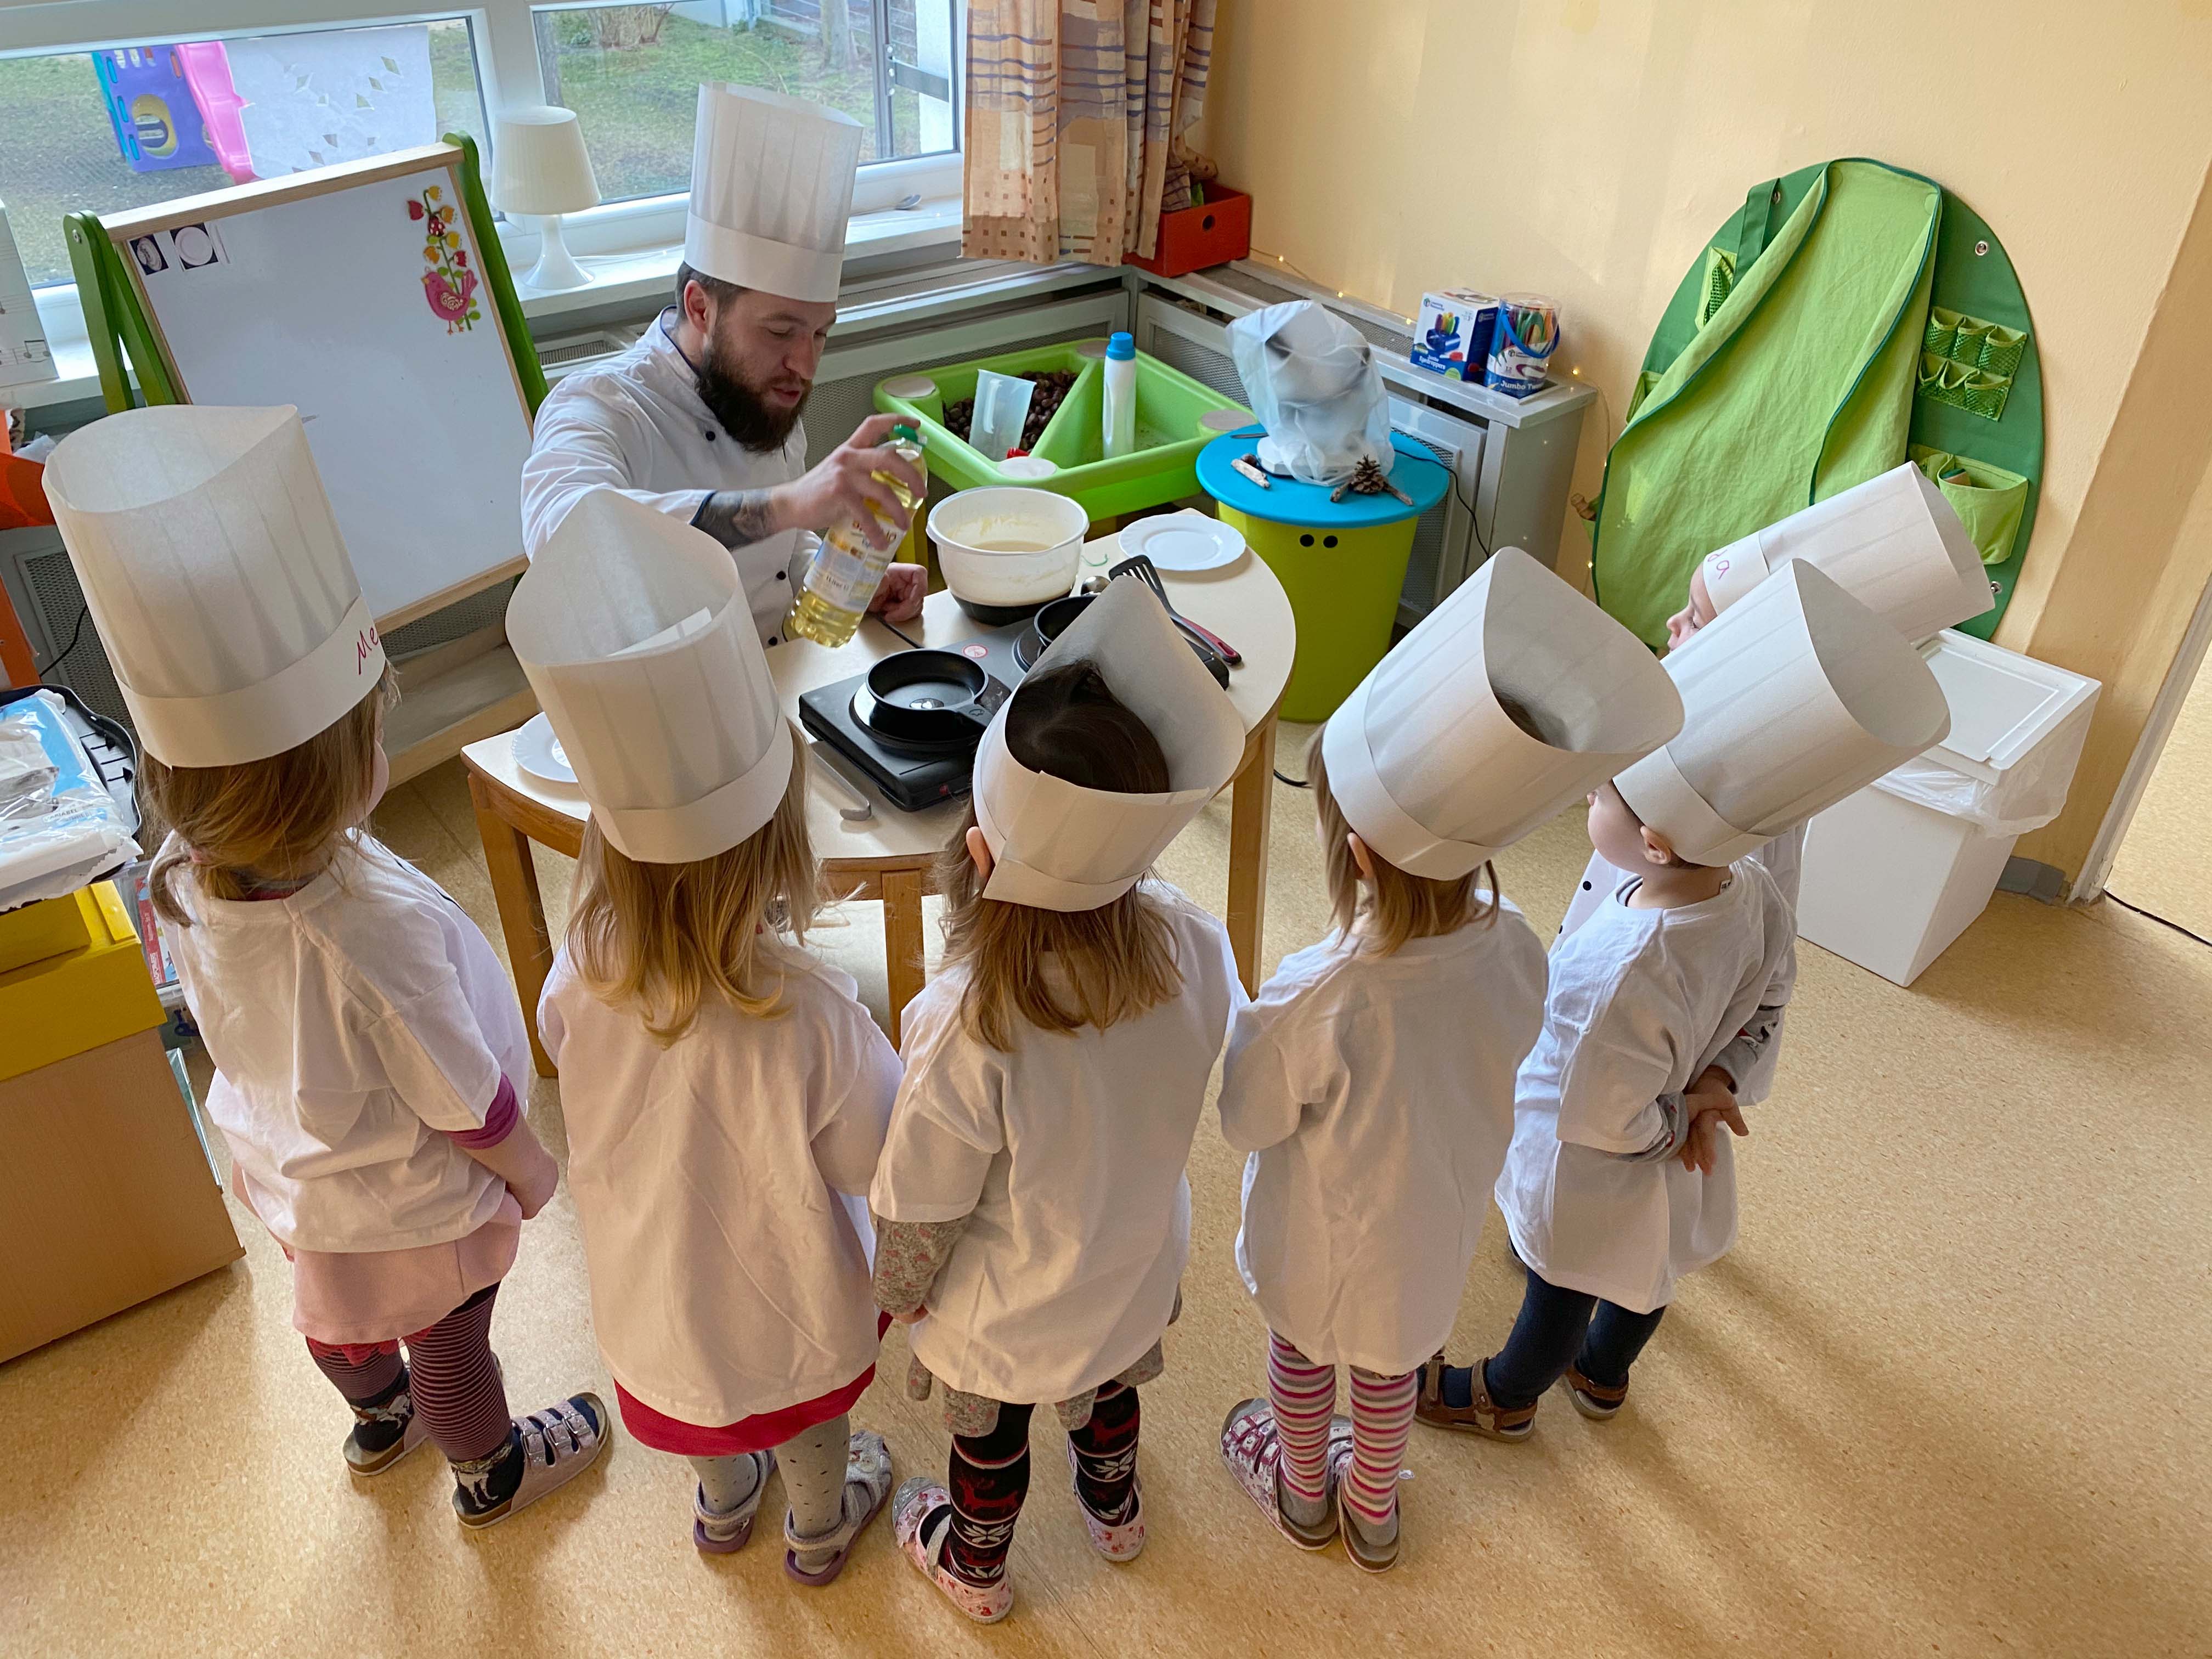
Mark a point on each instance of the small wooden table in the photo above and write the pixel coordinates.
(891, 855)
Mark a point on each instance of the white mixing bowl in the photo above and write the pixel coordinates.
(1005, 550)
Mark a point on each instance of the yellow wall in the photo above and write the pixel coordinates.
(1585, 148)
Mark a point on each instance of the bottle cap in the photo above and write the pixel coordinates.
(1121, 348)
(904, 430)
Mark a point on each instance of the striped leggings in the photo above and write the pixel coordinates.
(449, 1375)
(1304, 1395)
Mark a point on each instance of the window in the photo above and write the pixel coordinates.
(110, 130)
(632, 74)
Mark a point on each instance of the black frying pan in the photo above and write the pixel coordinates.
(927, 700)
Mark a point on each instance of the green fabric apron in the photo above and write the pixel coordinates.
(1799, 385)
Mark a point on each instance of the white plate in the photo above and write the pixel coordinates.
(538, 752)
(1183, 542)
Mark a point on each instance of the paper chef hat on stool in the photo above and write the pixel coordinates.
(1893, 544)
(1057, 846)
(1423, 760)
(1796, 697)
(216, 576)
(635, 635)
(771, 192)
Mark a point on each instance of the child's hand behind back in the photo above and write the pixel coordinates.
(1711, 1102)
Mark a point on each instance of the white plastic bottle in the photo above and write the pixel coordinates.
(1120, 403)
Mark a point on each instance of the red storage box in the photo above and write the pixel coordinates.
(1213, 233)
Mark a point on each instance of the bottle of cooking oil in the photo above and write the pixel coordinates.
(846, 571)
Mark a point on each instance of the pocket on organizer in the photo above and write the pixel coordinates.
(1989, 500)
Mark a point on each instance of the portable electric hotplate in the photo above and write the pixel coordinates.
(911, 723)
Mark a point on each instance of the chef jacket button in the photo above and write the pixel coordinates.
(782, 577)
(709, 434)
(772, 638)
(1586, 887)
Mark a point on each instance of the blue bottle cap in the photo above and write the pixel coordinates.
(1121, 348)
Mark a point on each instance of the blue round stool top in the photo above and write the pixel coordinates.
(1293, 501)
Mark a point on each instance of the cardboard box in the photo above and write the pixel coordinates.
(106, 1198)
(1452, 334)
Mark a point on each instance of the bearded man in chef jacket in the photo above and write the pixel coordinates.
(699, 418)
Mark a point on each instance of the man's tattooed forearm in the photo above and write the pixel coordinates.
(738, 518)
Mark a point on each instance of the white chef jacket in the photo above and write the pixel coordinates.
(1783, 859)
(1375, 1097)
(637, 424)
(352, 1024)
(1067, 1154)
(1639, 1004)
(728, 1276)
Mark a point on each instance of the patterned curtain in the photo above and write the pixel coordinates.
(1074, 107)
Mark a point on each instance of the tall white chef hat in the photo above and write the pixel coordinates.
(1893, 544)
(216, 576)
(634, 632)
(1797, 696)
(1057, 846)
(1423, 757)
(771, 190)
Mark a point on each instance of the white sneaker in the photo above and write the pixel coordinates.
(918, 1498)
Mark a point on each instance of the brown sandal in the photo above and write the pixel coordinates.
(1481, 1415)
(1594, 1400)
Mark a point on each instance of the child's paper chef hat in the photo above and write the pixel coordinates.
(635, 635)
(1057, 846)
(1893, 544)
(215, 572)
(1794, 698)
(771, 192)
(1428, 766)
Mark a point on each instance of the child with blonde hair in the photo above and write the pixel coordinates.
(1371, 1080)
(1619, 1183)
(366, 1043)
(725, 1093)
(1033, 1213)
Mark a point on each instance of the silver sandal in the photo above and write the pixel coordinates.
(558, 1444)
(868, 1486)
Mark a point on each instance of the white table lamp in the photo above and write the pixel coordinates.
(539, 165)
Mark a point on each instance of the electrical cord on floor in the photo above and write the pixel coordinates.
(1295, 783)
(2152, 915)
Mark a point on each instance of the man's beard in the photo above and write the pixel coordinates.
(738, 407)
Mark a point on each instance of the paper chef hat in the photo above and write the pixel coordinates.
(771, 190)
(1057, 846)
(215, 573)
(635, 635)
(1893, 544)
(1797, 696)
(1425, 761)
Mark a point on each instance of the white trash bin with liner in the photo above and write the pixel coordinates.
(1895, 872)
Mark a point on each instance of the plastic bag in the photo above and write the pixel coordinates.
(2023, 797)
(1312, 381)
(59, 827)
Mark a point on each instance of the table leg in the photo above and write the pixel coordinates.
(1251, 808)
(901, 890)
(521, 912)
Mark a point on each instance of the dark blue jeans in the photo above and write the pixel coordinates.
(1556, 1328)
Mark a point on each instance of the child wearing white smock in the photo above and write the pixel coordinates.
(1618, 1181)
(1032, 1209)
(1371, 1080)
(1893, 544)
(369, 1056)
(725, 1093)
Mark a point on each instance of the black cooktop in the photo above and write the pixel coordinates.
(908, 778)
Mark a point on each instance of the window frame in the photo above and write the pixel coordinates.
(507, 73)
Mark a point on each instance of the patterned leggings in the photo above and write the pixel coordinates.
(989, 1477)
(1304, 1395)
(449, 1373)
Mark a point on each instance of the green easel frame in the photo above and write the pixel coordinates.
(125, 345)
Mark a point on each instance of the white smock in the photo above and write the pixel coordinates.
(637, 424)
(352, 1026)
(1067, 1154)
(728, 1276)
(1783, 859)
(1375, 1097)
(1640, 1002)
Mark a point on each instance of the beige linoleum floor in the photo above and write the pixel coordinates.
(2165, 864)
(1946, 1396)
